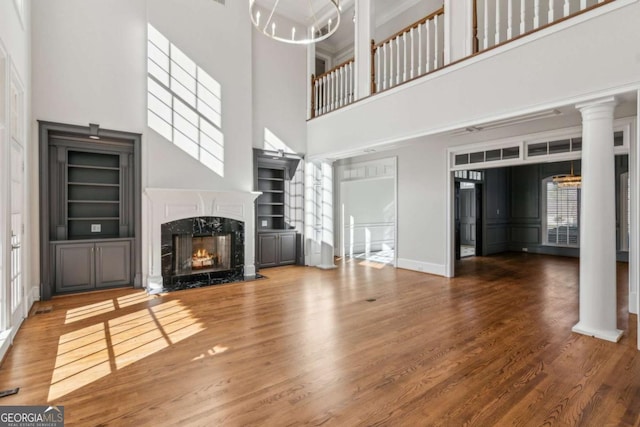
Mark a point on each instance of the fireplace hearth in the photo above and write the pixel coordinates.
(202, 251)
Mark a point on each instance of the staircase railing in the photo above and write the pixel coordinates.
(333, 89)
(412, 52)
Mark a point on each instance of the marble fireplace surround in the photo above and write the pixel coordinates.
(167, 205)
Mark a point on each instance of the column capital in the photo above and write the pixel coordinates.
(597, 106)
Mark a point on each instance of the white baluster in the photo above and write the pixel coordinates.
(509, 19)
(324, 95)
(384, 66)
(404, 59)
(351, 82)
(412, 53)
(485, 43)
(378, 70)
(583, 4)
(390, 63)
(397, 60)
(536, 14)
(567, 8)
(427, 65)
(419, 49)
(332, 87)
(436, 48)
(316, 106)
(523, 18)
(341, 87)
(498, 23)
(551, 15)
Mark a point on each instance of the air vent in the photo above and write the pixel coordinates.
(219, 1)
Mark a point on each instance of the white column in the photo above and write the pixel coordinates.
(311, 69)
(365, 22)
(598, 223)
(458, 30)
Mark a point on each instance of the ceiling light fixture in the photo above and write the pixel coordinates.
(568, 181)
(277, 19)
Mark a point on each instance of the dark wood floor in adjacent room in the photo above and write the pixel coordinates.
(492, 347)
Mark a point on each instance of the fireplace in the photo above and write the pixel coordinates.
(197, 213)
(201, 254)
(202, 251)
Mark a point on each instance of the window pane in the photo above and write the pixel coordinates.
(539, 149)
(562, 215)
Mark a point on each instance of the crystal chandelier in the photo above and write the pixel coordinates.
(278, 19)
(568, 181)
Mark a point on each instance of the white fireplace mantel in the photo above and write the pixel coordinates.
(165, 205)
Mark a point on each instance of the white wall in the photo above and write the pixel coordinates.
(279, 92)
(579, 61)
(218, 39)
(90, 65)
(89, 62)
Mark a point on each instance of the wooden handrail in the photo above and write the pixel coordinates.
(336, 68)
(411, 26)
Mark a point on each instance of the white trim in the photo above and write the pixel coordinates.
(423, 267)
(522, 141)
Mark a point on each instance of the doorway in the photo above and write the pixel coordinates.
(468, 214)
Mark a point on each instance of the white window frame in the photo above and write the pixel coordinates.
(545, 231)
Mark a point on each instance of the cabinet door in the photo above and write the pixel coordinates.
(267, 249)
(287, 248)
(74, 267)
(113, 264)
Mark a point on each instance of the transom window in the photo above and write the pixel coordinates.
(561, 220)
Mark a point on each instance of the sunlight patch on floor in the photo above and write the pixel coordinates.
(87, 354)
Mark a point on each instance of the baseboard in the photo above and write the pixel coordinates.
(633, 303)
(32, 297)
(424, 267)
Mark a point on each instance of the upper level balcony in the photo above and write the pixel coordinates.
(461, 62)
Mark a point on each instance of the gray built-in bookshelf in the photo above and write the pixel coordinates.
(91, 207)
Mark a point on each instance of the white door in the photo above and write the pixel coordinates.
(16, 288)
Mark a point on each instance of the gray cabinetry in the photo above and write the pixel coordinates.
(276, 248)
(81, 266)
(276, 238)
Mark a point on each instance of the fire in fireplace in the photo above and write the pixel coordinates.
(201, 254)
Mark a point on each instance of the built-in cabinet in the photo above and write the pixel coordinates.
(90, 208)
(277, 248)
(92, 265)
(276, 240)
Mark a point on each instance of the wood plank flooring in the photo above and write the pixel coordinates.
(491, 347)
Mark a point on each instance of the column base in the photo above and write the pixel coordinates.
(612, 335)
(249, 271)
(154, 285)
(326, 267)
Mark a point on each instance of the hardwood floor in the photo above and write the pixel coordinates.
(491, 347)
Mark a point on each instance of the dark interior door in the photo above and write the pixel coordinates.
(468, 216)
(456, 210)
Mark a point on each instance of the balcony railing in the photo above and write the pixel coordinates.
(333, 89)
(411, 52)
(496, 22)
(418, 49)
